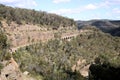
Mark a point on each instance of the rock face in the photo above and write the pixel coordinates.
(11, 71)
(81, 67)
(24, 34)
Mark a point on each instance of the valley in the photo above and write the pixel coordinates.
(36, 45)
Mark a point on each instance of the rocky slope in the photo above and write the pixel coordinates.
(11, 71)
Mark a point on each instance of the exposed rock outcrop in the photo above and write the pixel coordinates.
(81, 67)
(11, 71)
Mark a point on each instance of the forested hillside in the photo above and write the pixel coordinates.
(27, 16)
(49, 47)
(21, 27)
(107, 26)
(25, 26)
(4, 46)
(59, 60)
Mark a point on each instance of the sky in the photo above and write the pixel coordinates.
(75, 9)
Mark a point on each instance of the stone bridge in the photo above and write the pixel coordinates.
(72, 34)
(69, 36)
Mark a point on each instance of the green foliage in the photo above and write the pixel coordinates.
(3, 41)
(54, 59)
(3, 46)
(48, 60)
(1, 66)
(22, 16)
(57, 35)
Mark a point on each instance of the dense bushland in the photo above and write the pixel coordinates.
(4, 45)
(53, 60)
(27, 16)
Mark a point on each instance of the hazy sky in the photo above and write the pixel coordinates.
(76, 9)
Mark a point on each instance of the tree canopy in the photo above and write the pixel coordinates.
(27, 16)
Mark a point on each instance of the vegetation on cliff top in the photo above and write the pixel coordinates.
(27, 16)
